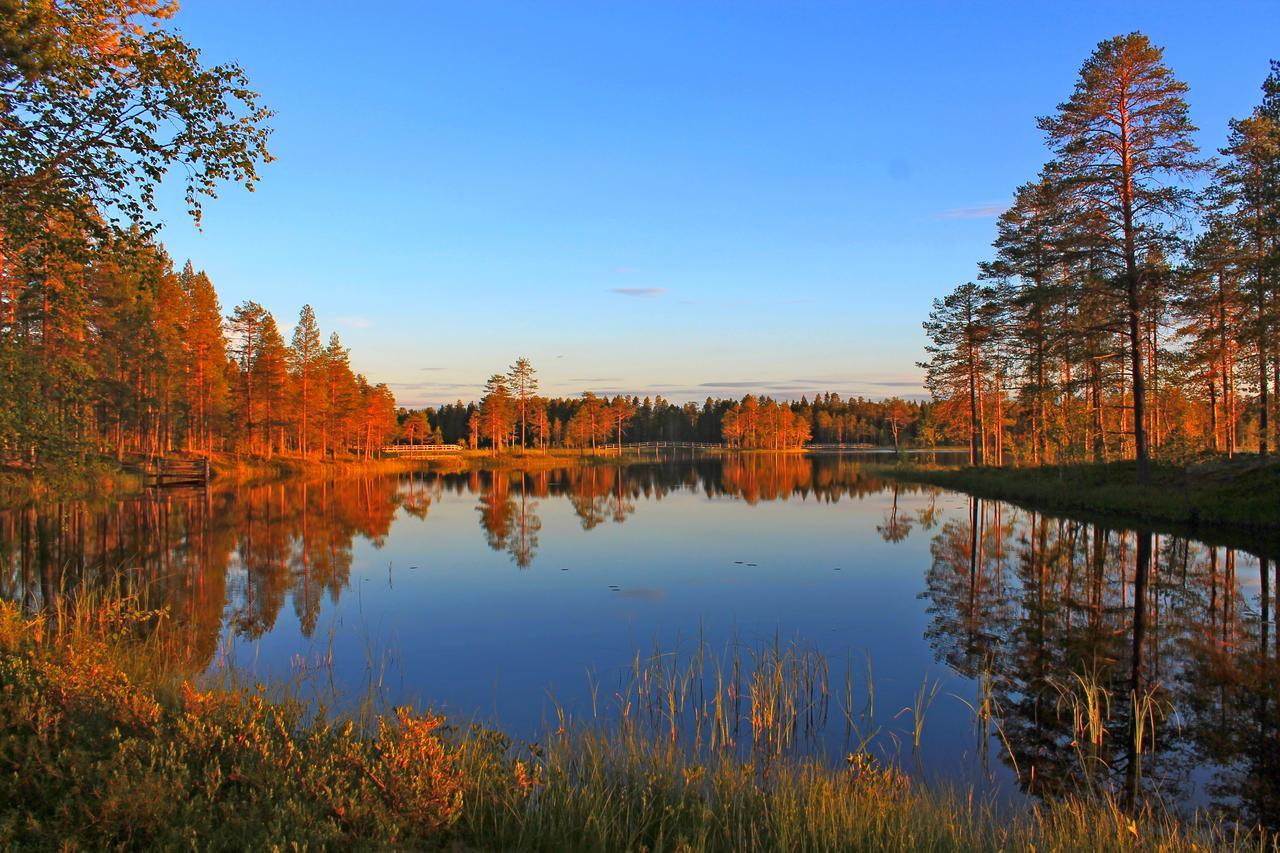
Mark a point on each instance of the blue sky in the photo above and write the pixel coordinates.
(680, 198)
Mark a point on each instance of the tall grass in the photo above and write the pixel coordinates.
(700, 751)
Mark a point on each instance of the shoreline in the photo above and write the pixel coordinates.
(105, 478)
(1218, 502)
(94, 717)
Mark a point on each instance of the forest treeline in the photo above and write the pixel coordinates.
(1132, 305)
(104, 348)
(511, 413)
(130, 356)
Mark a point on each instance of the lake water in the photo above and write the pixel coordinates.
(509, 597)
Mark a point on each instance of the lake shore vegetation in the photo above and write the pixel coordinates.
(1240, 495)
(107, 745)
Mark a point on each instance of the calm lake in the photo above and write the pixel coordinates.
(510, 597)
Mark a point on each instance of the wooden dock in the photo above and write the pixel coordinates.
(165, 472)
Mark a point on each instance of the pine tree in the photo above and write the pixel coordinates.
(497, 411)
(245, 326)
(271, 376)
(1249, 182)
(957, 335)
(339, 395)
(206, 353)
(523, 382)
(304, 363)
(1121, 138)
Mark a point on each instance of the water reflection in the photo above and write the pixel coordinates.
(1040, 619)
(1165, 632)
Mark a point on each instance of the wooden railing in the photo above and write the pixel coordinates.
(421, 449)
(663, 445)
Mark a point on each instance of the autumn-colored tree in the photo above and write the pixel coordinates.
(621, 411)
(99, 339)
(415, 427)
(898, 416)
(377, 417)
(590, 422)
(541, 421)
(497, 411)
(339, 395)
(98, 101)
(271, 378)
(206, 346)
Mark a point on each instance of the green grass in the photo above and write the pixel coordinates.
(1241, 495)
(104, 745)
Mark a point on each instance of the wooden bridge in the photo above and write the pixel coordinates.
(411, 451)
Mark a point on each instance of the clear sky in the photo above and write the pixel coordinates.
(684, 198)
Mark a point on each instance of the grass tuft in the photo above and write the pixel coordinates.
(99, 748)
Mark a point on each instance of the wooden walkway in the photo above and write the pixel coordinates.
(409, 451)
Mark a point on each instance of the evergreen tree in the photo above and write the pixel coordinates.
(523, 381)
(1121, 138)
(304, 363)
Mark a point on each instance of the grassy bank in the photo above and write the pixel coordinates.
(229, 468)
(234, 469)
(1241, 494)
(104, 477)
(99, 748)
(94, 479)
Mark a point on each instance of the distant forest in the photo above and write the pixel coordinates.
(512, 414)
(1131, 308)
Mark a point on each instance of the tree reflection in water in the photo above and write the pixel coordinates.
(1176, 633)
(1162, 627)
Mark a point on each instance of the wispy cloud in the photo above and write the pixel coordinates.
(750, 383)
(638, 291)
(432, 386)
(352, 322)
(433, 369)
(980, 211)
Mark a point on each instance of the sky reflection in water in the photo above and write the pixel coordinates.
(496, 596)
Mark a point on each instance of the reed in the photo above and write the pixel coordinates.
(99, 752)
